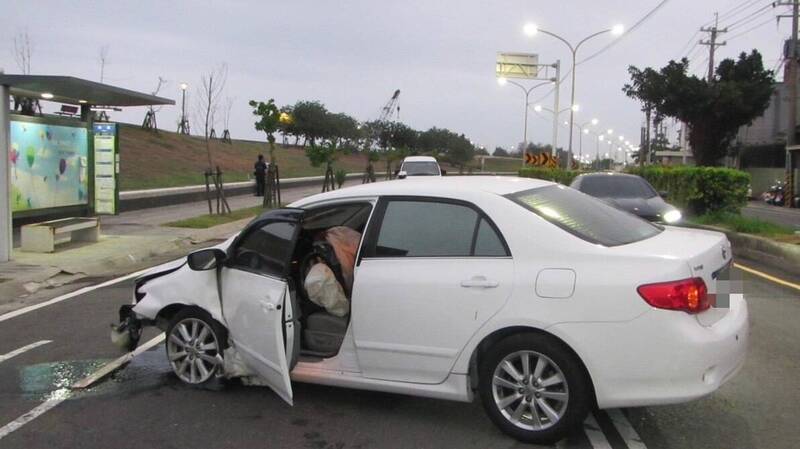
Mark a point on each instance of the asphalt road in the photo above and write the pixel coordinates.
(143, 405)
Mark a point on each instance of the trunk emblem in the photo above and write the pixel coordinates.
(698, 268)
(724, 253)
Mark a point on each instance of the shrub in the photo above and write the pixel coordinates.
(699, 190)
(550, 174)
(341, 177)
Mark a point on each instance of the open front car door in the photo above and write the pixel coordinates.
(254, 292)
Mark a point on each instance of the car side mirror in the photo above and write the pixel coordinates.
(444, 172)
(402, 174)
(205, 259)
(663, 194)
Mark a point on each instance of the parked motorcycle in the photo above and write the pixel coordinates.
(774, 194)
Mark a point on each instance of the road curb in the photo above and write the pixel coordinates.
(776, 255)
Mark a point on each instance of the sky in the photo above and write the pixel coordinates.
(352, 55)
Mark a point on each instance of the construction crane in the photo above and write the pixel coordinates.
(391, 106)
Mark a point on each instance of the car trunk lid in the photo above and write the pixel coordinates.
(708, 256)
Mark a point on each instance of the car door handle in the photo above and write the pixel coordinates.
(479, 282)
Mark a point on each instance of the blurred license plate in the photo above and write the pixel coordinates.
(722, 287)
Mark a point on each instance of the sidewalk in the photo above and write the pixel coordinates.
(130, 242)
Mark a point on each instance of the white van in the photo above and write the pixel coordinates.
(419, 166)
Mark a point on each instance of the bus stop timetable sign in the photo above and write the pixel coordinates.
(106, 169)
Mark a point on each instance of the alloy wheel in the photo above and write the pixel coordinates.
(193, 350)
(530, 390)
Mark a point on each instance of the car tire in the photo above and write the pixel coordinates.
(195, 343)
(543, 406)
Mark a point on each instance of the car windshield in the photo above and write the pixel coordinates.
(421, 168)
(585, 217)
(616, 187)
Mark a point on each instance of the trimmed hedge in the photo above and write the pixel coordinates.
(696, 190)
(550, 174)
(699, 190)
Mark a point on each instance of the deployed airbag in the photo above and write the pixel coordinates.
(345, 243)
(325, 291)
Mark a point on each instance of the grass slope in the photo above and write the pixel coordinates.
(167, 159)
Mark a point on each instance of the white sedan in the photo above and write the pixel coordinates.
(539, 299)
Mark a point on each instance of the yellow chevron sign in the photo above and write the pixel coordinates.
(541, 160)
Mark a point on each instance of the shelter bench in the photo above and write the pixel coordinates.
(43, 237)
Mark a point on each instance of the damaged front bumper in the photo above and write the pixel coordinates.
(127, 333)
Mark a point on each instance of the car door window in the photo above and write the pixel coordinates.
(435, 229)
(266, 250)
(487, 242)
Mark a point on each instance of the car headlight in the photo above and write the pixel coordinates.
(672, 216)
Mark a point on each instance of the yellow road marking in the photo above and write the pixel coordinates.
(767, 276)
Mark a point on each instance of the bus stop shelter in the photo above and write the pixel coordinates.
(67, 90)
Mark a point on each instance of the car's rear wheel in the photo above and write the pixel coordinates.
(533, 388)
(195, 344)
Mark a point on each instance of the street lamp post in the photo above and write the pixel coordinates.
(583, 130)
(527, 91)
(531, 29)
(540, 108)
(183, 127)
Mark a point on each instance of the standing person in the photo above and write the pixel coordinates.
(261, 172)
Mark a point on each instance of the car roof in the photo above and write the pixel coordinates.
(607, 174)
(419, 159)
(444, 186)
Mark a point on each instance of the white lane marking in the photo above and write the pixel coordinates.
(595, 434)
(63, 394)
(56, 398)
(78, 292)
(626, 430)
(109, 367)
(25, 348)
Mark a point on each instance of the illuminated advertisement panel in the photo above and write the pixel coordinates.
(48, 166)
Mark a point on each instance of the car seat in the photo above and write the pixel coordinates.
(322, 333)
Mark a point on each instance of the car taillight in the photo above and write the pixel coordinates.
(688, 295)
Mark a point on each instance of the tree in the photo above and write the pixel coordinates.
(23, 49)
(212, 84)
(460, 151)
(268, 120)
(309, 120)
(102, 58)
(713, 109)
(288, 124)
(500, 151)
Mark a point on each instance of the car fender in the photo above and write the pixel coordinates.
(183, 286)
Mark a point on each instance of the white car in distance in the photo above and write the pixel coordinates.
(419, 166)
(539, 299)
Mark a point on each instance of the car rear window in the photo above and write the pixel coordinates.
(616, 187)
(421, 168)
(585, 217)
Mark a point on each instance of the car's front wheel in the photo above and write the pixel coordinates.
(195, 344)
(533, 388)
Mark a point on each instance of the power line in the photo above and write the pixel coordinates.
(689, 42)
(635, 25)
(742, 7)
(753, 28)
(752, 16)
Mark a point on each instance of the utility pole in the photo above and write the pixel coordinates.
(713, 44)
(791, 81)
(557, 66)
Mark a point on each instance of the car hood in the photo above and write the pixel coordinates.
(653, 208)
